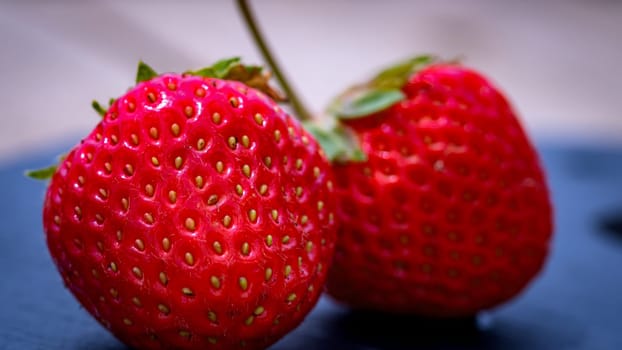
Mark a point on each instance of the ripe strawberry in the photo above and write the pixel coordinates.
(197, 214)
(450, 212)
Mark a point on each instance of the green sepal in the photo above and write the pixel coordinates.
(223, 67)
(234, 69)
(338, 143)
(98, 108)
(395, 76)
(144, 72)
(366, 102)
(43, 173)
(219, 70)
(226, 69)
(381, 92)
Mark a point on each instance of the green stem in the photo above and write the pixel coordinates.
(301, 111)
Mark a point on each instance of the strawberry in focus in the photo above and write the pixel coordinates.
(449, 211)
(197, 214)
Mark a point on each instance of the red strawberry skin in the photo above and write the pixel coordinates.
(450, 214)
(197, 214)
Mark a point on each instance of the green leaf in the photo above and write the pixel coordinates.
(42, 174)
(333, 147)
(144, 72)
(234, 69)
(368, 101)
(358, 155)
(222, 67)
(98, 108)
(338, 144)
(380, 93)
(207, 72)
(395, 76)
(219, 70)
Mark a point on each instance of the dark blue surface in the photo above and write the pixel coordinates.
(576, 303)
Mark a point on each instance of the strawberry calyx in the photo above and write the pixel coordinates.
(383, 91)
(43, 173)
(144, 72)
(227, 69)
(232, 69)
(99, 108)
(339, 143)
(362, 101)
(380, 93)
(47, 172)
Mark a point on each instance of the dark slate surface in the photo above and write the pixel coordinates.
(576, 303)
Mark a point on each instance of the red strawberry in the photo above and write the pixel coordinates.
(197, 214)
(450, 213)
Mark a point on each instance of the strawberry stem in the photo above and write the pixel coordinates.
(301, 112)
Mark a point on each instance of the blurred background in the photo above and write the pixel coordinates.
(558, 61)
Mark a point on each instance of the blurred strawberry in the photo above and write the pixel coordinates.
(446, 212)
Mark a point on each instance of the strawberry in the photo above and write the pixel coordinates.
(443, 207)
(197, 214)
(447, 211)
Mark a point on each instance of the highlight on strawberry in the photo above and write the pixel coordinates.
(197, 213)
